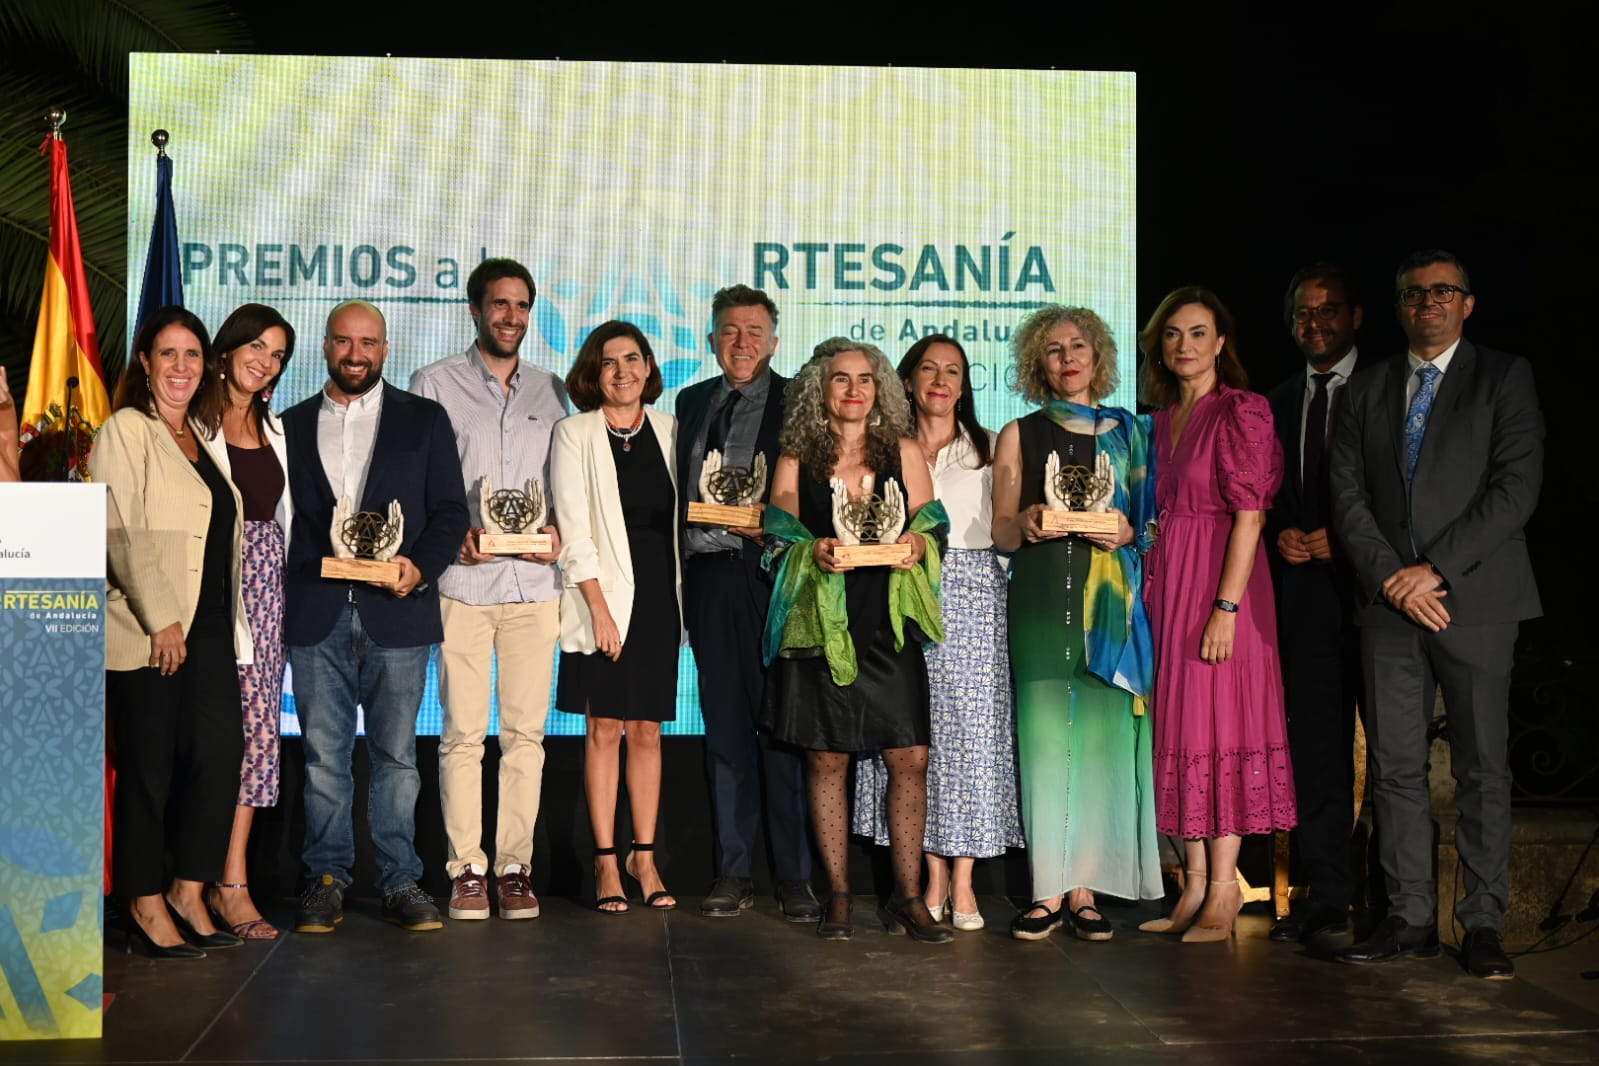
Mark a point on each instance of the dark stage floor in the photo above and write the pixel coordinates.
(575, 985)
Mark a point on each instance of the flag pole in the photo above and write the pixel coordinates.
(159, 138)
(56, 116)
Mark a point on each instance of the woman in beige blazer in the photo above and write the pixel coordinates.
(175, 628)
(611, 473)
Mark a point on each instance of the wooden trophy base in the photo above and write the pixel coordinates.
(871, 554)
(1099, 523)
(514, 543)
(378, 570)
(721, 514)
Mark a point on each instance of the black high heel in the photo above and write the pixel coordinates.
(652, 901)
(216, 941)
(135, 934)
(601, 901)
(836, 923)
(922, 927)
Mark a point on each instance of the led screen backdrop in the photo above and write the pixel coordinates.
(881, 204)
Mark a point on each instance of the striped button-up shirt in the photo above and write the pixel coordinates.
(504, 436)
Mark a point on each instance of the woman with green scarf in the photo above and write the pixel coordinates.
(844, 643)
(1080, 647)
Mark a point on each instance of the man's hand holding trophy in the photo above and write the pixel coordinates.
(364, 546)
(507, 515)
(730, 495)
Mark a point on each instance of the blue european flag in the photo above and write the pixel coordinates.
(163, 271)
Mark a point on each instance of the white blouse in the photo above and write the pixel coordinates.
(967, 492)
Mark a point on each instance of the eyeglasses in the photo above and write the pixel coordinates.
(1322, 313)
(1416, 296)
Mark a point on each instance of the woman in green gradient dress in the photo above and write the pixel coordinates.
(1080, 647)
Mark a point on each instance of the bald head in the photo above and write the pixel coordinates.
(356, 344)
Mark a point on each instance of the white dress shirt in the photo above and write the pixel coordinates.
(1340, 377)
(345, 434)
(1416, 362)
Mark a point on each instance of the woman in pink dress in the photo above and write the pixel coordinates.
(1221, 747)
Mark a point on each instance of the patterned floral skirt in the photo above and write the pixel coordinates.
(971, 765)
(261, 683)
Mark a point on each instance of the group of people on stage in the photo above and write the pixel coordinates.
(1002, 684)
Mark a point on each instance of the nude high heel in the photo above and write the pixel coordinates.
(1167, 925)
(1201, 934)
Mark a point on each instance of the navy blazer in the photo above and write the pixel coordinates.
(693, 404)
(1476, 484)
(413, 461)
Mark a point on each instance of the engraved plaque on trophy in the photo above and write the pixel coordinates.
(1076, 498)
(506, 513)
(363, 544)
(868, 525)
(729, 495)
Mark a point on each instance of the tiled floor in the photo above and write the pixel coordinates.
(575, 985)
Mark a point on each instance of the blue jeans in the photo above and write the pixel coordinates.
(347, 668)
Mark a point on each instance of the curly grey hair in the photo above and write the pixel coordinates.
(808, 436)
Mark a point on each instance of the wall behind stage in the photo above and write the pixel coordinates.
(882, 204)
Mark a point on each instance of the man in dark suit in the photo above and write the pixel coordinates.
(725, 597)
(356, 644)
(1316, 634)
(1435, 471)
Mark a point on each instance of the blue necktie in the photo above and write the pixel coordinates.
(1416, 418)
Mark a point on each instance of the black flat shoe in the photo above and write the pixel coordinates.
(836, 923)
(212, 941)
(1095, 928)
(149, 948)
(913, 917)
(1026, 926)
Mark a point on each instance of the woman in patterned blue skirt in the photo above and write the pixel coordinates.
(971, 769)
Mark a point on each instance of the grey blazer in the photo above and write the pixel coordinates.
(1476, 484)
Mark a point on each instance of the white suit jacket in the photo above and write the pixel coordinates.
(588, 512)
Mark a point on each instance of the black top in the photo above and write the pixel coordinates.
(217, 569)
(259, 477)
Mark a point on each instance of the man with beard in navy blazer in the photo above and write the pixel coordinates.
(1316, 635)
(364, 644)
(1435, 472)
(725, 598)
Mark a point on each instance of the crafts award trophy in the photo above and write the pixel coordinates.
(729, 495)
(506, 513)
(868, 525)
(363, 543)
(1077, 499)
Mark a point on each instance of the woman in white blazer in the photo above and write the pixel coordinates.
(253, 346)
(175, 630)
(611, 473)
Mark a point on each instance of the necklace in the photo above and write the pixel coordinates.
(179, 433)
(626, 435)
(930, 455)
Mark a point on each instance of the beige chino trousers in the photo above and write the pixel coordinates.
(523, 637)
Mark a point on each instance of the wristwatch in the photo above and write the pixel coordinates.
(1226, 605)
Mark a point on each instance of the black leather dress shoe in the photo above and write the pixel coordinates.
(1313, 924)
(728, 896)
(1485, 956)
(799, 903)
(1394, 939)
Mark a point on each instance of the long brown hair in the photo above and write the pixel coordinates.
(245, 324)
(965, 406)
(133, 388)
(1157, 384)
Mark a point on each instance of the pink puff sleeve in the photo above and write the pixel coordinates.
(1249, 457)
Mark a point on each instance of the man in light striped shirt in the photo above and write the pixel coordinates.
(496, 606)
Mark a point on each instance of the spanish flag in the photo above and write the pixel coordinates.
(67, 399)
